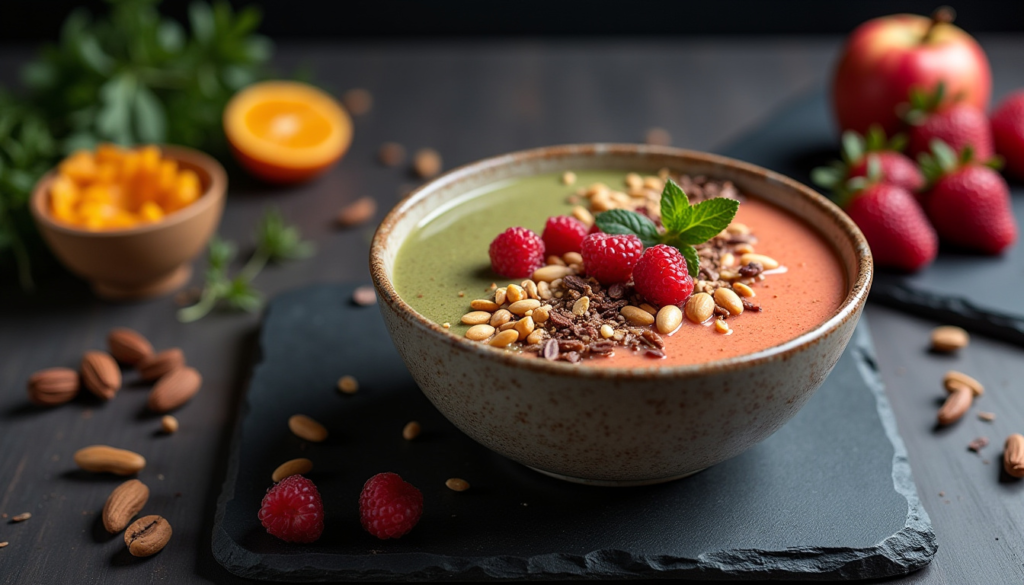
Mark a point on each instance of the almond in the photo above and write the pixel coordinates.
(699, 307)
(358, 212)
(426, 162)
(306, 428)
(53, 386)
(729, 300)
(174, 389)
(299, 466)
(100, 374)
(954, 379)
(1013, 455)
(104, 459)
(147, 536)
(128, 346)
(948, 339)
(158, 365)
(956, 405)
(123, 504)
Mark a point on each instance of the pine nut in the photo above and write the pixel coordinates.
(729, 301)
(721, 326)
(956, 405)
(484, 305)
(348, 385)
(525, 327)
(607, 331)
(768, 262)
(743, 290)
(550, 273)
(500, 296)
(581, 306)
(514, 293)
(583, 215)
(536, 337)
(500, 317)
(476, 317)
(649, 308)
(505, 338)
(521, 307)
(636, 315)
(541, 314)
(573, 258)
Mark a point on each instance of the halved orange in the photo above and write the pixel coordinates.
(286, 131)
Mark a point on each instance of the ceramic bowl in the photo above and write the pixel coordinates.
(616, 426)
(143, 261)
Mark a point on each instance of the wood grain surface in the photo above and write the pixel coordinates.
(468, 100)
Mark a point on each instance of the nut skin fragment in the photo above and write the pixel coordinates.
(948, 339)
(411, 430)
(147, 536)
(123, 504)
(101, 458)
(457, 484)
(307, 429)
(169, 424)
(956, 405)
(300, 466)
(1013, 455)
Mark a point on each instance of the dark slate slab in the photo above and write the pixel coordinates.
(971, 290)
(830, 496)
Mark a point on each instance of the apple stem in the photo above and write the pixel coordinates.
(942, 15)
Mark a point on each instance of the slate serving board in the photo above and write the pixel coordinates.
(977, 292)
(830, 496)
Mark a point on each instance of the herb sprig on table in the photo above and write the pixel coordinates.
(276, 241)
(685, 225)
(131, 76)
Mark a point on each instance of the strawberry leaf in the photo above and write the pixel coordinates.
(945, 156)
(621, 221)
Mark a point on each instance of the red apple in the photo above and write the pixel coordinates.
(887, 56)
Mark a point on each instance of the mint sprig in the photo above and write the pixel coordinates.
(685, 225)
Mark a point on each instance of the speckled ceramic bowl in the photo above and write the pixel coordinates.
(615, 426)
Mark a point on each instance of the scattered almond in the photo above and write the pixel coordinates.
(147, 536)
(391, 154)
(357, 101)
(699, 307)
(658, 137)
(174, 389)
(348, 385)
(158, 365)
(411, 430)
(306, 428)
(987, 416)
(123, 504)
(104, 459)
(4, 543)
(21, 517)
(505, 338)
(550, 273)
(53, 386)
(949, 339)
(426, 162)
(358, 212)
(100, 374)
(364, 296)
(128, 346)
(667, 320)
(954, 380)
(568, 178)
(956, 405)
(581, 213)
(300, 466)
(484, 305)
(457, 484)
(476, 317)
(1013, 455)
(169, 424)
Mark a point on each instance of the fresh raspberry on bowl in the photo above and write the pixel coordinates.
(661, 277)
(516, 253)
(292, 510)
(563, 234)
(609, 258)
(389, 507)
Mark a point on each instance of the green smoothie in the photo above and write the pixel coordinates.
(447, 253)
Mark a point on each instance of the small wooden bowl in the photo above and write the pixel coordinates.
(144, 261)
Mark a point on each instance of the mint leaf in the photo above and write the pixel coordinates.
(621, 221)
(674, 207)
(706, 219)
(692, 260)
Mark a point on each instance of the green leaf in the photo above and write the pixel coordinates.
(706, 220)
(114, 119)
(674, 206)
(853, 147)
(200, 17)
(692, 260)
(170, 36)
(150, 119)
(945, 156)
(827, 177)
(621, 221)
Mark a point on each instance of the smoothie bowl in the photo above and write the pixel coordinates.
(589, 374)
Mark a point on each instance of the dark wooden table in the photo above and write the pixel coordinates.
(468, 100)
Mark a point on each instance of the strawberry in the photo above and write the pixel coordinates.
(968, 202)
(1008, 132)
(958, 124)
(862, 154)
(894, 224)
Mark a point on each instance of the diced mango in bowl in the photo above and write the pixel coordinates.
(118, 188)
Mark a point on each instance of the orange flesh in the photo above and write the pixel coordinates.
(289, 124)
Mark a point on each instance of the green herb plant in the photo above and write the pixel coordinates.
(684, 225)
(131, 76)
(276, 241)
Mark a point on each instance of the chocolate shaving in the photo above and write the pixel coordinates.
(653, 338)
(570, 345)
(616, 291)
(751, 270)
(749, 306)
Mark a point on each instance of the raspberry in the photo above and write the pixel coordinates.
(292, 510)
(563, 234)
(610, 259)
(389, 507)
(661, 277)
(516, 253)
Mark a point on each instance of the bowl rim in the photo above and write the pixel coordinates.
(213, 194)
(848, 309)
